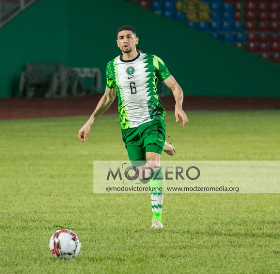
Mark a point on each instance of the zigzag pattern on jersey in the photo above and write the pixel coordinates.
(156, 110)
(110, 74)
(124, 121)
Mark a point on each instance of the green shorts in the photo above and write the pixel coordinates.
(148, 137)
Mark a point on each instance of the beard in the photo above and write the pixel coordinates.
(127, 50)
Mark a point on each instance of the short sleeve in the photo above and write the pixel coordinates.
(110, 83)
(162, 71)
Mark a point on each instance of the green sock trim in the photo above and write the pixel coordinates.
(157, 215)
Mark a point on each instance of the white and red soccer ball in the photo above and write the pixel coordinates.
(65, 244)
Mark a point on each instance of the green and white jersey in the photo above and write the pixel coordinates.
(136, 85)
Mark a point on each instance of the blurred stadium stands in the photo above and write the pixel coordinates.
(62, 32)
(251, 25)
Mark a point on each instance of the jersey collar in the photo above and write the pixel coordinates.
(129, 60)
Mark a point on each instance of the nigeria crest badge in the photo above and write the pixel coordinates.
(130, 70)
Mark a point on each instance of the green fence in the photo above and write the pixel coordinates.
(83, 34)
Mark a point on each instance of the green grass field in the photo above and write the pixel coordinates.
(46, 185)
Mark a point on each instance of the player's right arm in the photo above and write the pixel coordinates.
(104, 103)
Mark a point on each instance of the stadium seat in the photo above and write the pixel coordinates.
(204, 26)
(241, 38)
(274, 16)
(264, 47)
(252, 37)
(264, 37)
(215, 25)
(144, 4)
(237, 6)
(276, 57)
(275, 47)
(275, 6)
(263, 16)
(192, 24)
(191, 15)
(250, 5)
(204, 16)
(263, 25)
(253, 47)
(251, 26)
(238, 45)
(263, 7)
(229, 37)
(178, 15)
(250, 15)
(275, 26)
(237, 25)
(156, 6)
(215, 6)
(265, 56)
(168, 14)
(191, 6)
(169, 6)
(215, 35)
(274, 37)
(202, 6)
(227, 16)
(237, 15)
(216, 16)
(226, 25)
(179, 6)
(228, 7)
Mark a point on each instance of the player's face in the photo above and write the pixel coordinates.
(127, 41)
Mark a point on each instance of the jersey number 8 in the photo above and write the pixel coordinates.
(133, 88)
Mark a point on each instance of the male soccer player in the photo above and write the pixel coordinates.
(132, 77)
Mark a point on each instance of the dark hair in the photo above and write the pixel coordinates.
(126, 28)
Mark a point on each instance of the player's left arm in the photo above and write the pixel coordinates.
(178, 95)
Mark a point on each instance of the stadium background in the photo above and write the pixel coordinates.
(83, 34)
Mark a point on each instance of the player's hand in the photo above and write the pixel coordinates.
(83, 132)
(180, 113)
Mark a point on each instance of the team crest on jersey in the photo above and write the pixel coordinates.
(130, 70)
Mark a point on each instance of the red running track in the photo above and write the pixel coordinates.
(22, 108)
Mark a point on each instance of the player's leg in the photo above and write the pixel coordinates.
(146, 144)
(154, 138)
(156, 184)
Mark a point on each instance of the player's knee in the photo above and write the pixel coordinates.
(153, 164)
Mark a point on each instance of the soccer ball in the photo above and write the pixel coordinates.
(65, 244)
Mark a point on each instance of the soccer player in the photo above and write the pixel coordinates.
(132, 77)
